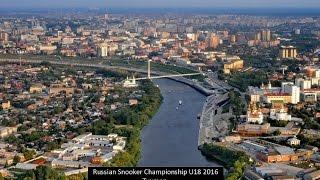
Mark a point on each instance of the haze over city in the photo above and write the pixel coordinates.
(158, 3)
(159, 89)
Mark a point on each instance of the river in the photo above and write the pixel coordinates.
(171, 138)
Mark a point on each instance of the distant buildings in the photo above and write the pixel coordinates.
(130, 83)
(87, 149)
(214, 41)
(288, 52)
(233, 63)
(37, 88)
(103, 50)
(266, 35)
(4, 37)
(276, 97)
(6, 105)
(253, 129)
(294, 91)
(287, 93)
(58, 88)
(282, 154)
(233, 39)
(279, 115)
(47, 49)
(293, 141)
(254, 114)
(6, 131)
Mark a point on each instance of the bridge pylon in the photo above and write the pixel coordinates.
(149, 69)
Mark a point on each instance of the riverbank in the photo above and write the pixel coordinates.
(194, 85)
(151, 102)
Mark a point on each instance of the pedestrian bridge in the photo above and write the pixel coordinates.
(164, 76)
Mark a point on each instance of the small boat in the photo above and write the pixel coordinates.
(180, 102)
(177, 108)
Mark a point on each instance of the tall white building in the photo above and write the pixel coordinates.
(294, 91)
(103, 50)
(283, 84)
(303, 83)
(318, 73)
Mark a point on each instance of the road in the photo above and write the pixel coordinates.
(214, 81)
(213, 123)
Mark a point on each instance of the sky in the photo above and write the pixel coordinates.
(158, 3)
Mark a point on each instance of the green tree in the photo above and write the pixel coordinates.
(47, 173)
(30, 175)
(80, 176)
(28, 154)
(16, 159)
(1, 177)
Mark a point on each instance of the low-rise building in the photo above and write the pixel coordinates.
(234, 139)
(234, 63)
(130, 83)
(87, 149)
(133, 102)
(253, 129)
(279, 115)
(37, 88)
(282, 154)
(6, 105)
(271, 97)
(6, 131)
(293, 141)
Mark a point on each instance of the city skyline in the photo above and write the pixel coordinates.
(161, 4)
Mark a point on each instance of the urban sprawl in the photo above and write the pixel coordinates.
(261, 75)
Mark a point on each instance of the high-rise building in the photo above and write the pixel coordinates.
(266, 35)
(214, 41)
(233, 38)
(103, 50)
(288, 52)
(106, 16)
(68, 29)
(257, 37)
(225, 33)
(4, 37)
(294, 91)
